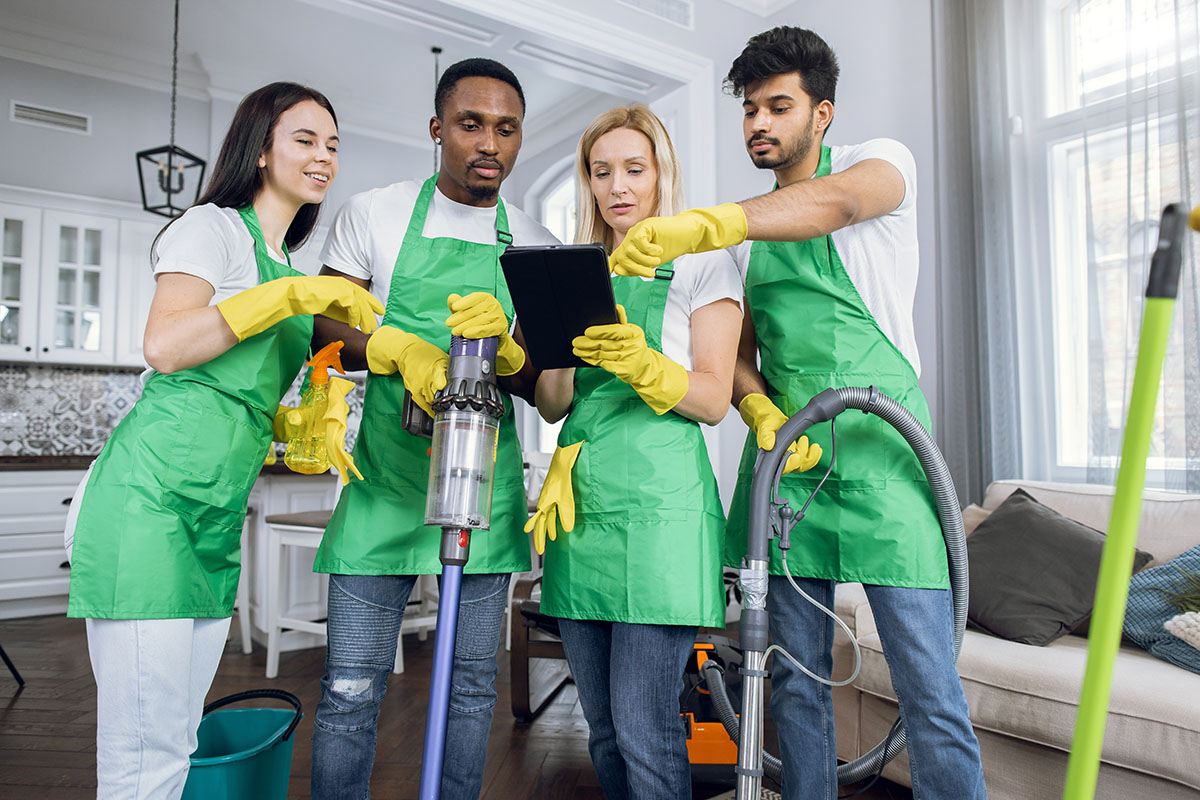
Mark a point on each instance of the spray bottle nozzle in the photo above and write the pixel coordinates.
(328, 356)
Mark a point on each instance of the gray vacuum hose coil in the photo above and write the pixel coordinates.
(950, 517)
(827, 405)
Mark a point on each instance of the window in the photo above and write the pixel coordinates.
(1106, 131)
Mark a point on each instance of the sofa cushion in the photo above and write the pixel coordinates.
(1032, 693)
(1033, 571)
(1148, 609)
(972, 515)
(1169, 522)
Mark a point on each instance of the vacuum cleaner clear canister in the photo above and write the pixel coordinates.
(465, 431)
(460, 486)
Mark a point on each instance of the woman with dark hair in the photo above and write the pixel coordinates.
(641, 566)
(156, 524)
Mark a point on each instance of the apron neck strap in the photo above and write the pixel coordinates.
(416, 222)
(261, 251)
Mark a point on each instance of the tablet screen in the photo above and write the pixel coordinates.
(558, 291)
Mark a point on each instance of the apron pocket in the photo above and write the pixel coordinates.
(216, 460)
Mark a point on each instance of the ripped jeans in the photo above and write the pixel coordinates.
(365, 612)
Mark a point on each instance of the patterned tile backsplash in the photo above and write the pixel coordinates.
(71, 411)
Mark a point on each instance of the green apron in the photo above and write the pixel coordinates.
(160, 520)
(378, 527)
(646, 547)
(874, 520)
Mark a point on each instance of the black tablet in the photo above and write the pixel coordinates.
(558, 291)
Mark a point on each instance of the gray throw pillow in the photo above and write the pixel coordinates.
(1033, 571)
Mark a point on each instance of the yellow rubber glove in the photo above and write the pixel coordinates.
(422, 365)
(284, 426)
(260, 307)
(622, 350)
(478, 316)
(286, 423)
(656, 240)
(761, 415)
(556, 502)
(336, 409)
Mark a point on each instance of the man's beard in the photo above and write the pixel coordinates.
(484, 192)
(788, 157)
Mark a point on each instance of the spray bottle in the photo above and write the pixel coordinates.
(306, 451)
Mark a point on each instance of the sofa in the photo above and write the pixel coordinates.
(1023, 699)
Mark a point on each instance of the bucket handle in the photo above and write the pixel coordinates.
(253, 694)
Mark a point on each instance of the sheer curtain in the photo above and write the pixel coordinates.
(1085, 120)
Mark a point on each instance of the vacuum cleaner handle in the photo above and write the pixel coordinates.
(256, 694)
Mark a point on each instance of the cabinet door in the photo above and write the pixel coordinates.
(135, 283)
(78, 292)
(19, 267)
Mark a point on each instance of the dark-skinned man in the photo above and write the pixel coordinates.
(430, 251)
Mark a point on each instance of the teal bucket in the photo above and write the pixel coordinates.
(245, 753)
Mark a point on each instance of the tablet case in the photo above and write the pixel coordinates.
(557, 292)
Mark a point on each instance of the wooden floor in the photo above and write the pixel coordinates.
(47, 729)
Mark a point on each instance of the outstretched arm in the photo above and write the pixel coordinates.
(326, 330)
(808, 209)
(182, 329)
(795, 213)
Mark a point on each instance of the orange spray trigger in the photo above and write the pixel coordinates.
(328, 356)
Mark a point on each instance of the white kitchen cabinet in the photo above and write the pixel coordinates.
(75, 279)
(307, 591)
(34, 579)
(33, 514)
(135, 289)
(20, 269)
(78, 306)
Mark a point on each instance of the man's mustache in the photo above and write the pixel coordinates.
(487, 163)
(761, 138)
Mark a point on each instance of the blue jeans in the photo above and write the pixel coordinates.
(917, 632)
(629, 679)
(365, 612)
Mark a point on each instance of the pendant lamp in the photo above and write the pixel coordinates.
(170, 177)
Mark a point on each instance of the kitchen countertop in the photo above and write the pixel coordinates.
(27, 463)
(24, 463)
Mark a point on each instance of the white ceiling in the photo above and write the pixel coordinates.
(371, 57)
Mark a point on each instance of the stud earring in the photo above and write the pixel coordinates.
(437, 140)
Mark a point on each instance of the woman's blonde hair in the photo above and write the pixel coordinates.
(589, 225)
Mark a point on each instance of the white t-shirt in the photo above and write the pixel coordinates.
(699, 279)
(212, 243)
(880, 255)
(369, 229)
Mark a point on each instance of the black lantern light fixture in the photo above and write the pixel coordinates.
(170, 177)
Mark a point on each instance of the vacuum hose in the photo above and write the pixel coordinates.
(825, 406)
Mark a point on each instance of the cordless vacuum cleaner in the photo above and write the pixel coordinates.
(771, 517)
(462, 464)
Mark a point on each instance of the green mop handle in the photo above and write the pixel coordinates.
(1116, 563)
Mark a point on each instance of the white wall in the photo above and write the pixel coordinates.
(125, 119)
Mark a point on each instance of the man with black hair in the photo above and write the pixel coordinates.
(830, 281)
(425, 250)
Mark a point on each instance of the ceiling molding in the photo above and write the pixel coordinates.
(398, 15)
(591, 34)
(58, 47)
(583, 71)
(764, 8)
(569, 28)
(235, 96)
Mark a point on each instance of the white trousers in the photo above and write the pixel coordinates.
(152, 676)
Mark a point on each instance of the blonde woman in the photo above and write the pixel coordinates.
(640, 568)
